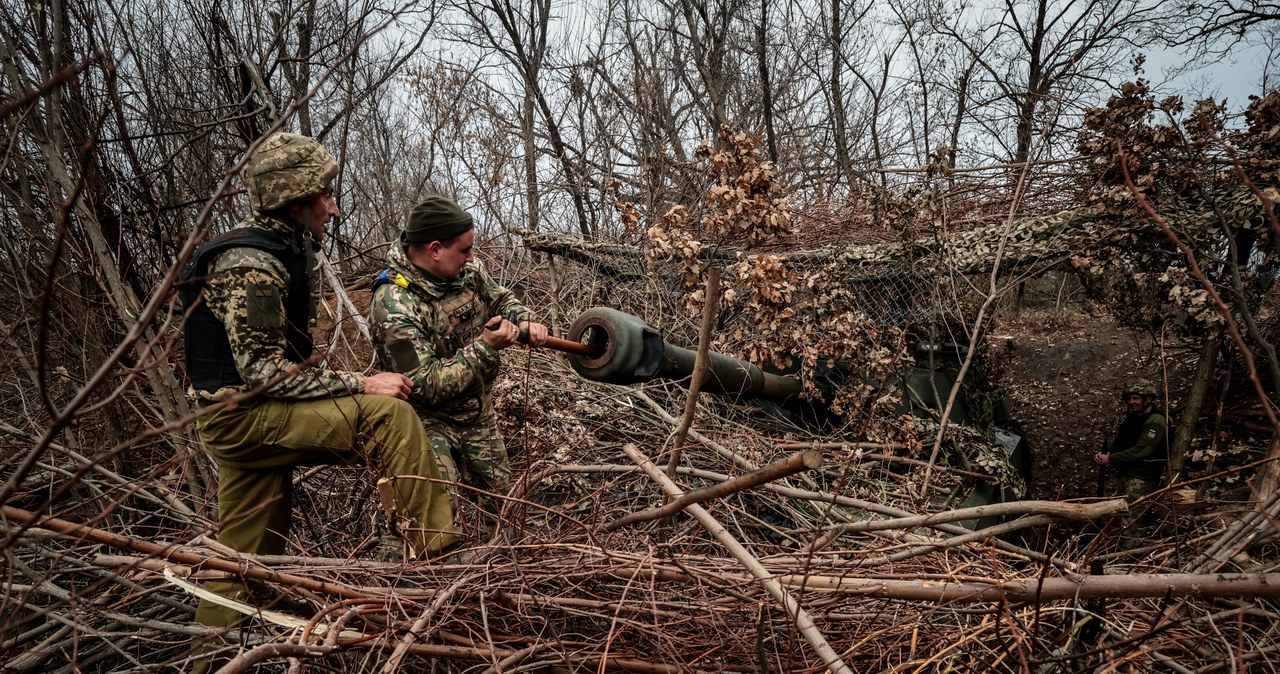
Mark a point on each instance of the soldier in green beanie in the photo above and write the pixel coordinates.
(265, 403)
(439, 318)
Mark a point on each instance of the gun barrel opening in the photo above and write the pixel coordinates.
(632, 351)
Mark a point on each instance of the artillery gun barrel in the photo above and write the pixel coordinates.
(623, 349)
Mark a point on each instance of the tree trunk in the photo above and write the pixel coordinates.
(838, 122)
(1186, 427)
(762, 36)
(1269, 474)
(530, 161)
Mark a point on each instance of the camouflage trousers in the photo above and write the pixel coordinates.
(472, 453)
(256, 446)
(1141, 520)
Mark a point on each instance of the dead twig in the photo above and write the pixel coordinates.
(795, 463)
(801, 617)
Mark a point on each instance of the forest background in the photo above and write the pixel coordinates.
(861, 172)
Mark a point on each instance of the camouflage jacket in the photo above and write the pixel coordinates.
(239, 281)
(428, 330)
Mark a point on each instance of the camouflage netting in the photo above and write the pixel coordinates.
(863, 306)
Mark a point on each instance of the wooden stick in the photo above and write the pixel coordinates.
(420, 625)
(802, 619)
(569, 346)
(795, 463)
(172, 553)
(841, 445)
(1055, 509)
(1118, 586)
(711, 298)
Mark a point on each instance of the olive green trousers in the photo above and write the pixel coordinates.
(257, 445)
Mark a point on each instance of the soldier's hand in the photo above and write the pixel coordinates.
(499, 333)
(391, 384)
(537, 332)
(1102, 459)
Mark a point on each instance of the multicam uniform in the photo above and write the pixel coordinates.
(249, 293)
(427, 329)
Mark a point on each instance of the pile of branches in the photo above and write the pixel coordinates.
(601, 563)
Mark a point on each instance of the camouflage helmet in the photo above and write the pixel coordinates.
(1142, 387)
(285, 168)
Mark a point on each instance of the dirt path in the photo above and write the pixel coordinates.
(1064, 373)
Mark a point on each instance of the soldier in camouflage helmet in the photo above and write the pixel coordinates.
(265, 404)
(1140, 450)
(440, 319)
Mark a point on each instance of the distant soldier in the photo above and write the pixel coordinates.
(1140, 450)
(267, 405)
(439, 318)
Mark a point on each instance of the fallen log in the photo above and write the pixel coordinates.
(1132, 586)
(171, 552)
(1054, 510)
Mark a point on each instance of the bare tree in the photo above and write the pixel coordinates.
(1041, 58)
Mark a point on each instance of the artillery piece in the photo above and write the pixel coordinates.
(611, 346)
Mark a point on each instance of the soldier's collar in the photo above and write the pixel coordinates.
(286, 229)
(434, 285)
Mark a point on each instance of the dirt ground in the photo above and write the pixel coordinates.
(1064, 369)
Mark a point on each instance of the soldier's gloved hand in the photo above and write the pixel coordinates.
(537, 332)
(499, 333)
(391, 384)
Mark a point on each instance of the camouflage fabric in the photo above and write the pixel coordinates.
(1142, 387)
(1140, 522)
(238, 279)
(427, 329)
(307, 415)
(287, 167)
(472, 454)
(1134, 488)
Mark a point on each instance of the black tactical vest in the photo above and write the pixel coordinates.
(210, 364)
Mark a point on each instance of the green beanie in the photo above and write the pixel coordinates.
(436, 219)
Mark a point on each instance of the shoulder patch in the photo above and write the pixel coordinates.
(1151, 434)
(263, 307)
(404, 357)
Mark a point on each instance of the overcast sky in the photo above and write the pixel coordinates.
(1235, 76)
